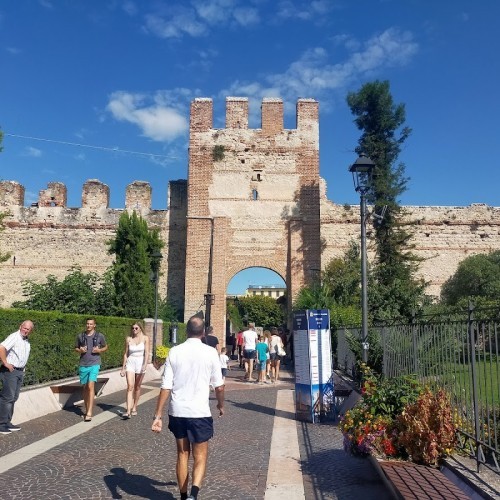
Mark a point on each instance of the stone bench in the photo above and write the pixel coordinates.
(70, 394)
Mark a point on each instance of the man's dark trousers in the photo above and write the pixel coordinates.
(12, 383)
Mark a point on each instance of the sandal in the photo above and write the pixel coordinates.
(134, 413)
(87, 418)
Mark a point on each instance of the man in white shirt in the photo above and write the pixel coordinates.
(14, 354)
(249, 344)
(190, 369)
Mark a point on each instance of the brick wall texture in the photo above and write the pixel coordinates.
(253, 198)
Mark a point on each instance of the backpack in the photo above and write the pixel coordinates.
(95, 340)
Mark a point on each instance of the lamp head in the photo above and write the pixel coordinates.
(362, 172)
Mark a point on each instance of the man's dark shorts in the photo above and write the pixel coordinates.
(196, 430)
(249, 354)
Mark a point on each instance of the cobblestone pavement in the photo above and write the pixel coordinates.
(124, 459)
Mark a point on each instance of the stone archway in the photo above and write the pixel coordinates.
(253, 200)
(265, 288)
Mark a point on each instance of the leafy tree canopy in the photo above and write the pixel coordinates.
(477, 276)
(134, 247)
(77, 292)
(263, 311)
(393, 281)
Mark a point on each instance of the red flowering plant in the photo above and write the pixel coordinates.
(426, 428)
(370, 427)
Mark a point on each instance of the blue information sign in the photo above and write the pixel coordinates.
(313, 364)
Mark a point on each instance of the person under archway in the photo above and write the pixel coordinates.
(275, 354)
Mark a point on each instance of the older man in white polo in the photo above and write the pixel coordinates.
(14, 354)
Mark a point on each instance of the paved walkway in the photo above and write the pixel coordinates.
(259, 452)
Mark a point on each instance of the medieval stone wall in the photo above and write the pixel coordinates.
(443, 235)
(49, 237)
(256, 193)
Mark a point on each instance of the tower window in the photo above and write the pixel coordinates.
(255, 194)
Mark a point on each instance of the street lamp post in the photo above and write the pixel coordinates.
(156, 258)
(362, 170)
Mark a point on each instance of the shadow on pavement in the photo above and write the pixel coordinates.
(135, 484)
(262, 409)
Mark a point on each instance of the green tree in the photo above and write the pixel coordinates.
(263, 311)
(477, 276)
(395, 289)
(77, 292)
(133, 247)
(342, 276)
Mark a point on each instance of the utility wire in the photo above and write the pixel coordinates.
(102, 148)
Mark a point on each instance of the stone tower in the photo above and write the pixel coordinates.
(253, 200)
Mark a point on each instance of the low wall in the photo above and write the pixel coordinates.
(37, 401)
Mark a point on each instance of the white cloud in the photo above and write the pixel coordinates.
(46, 3)
(33, 152)
(13, 50)
(305, 10)
(246, 16)
(197, 20)
(160, 117)
(129, 7)
(214, 11)
(313, 75)
(182, 22)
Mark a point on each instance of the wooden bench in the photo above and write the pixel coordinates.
(71, 393)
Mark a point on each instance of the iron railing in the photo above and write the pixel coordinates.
(458, 355)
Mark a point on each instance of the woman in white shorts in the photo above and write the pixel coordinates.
(135, 360)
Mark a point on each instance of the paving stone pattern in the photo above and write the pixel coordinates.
(124, 459)
(331, 473)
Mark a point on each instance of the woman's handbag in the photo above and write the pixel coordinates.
(280, 351)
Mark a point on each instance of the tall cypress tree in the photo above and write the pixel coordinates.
(133, 247)
(395, 290)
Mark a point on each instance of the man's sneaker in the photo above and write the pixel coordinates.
(13, 428)
(4, 429)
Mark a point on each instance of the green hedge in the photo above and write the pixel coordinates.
(53, 341)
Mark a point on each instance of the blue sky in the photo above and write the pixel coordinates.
(118, 75)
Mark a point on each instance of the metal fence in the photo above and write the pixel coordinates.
(458, 355)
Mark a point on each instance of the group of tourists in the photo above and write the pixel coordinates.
(262, 353)
(190, 370)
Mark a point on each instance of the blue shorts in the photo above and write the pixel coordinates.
(249, 353)
(88, 373)
(196, 430)
(262, 365)
(224, 372)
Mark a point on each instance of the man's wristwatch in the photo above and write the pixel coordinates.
(156, 418)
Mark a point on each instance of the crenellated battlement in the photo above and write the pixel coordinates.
(256, 192)
(237, 111)
(95, 195)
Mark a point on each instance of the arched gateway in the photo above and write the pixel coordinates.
(253, 200)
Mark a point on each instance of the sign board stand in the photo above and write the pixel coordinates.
(314, 389)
